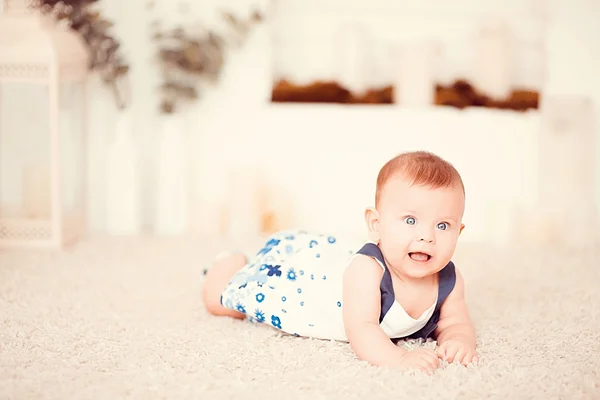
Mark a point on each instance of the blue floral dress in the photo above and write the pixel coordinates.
(294, 283)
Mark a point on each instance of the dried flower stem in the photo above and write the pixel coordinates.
(188, 61)
(103, 48)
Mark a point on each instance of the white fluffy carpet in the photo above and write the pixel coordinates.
(123, 319)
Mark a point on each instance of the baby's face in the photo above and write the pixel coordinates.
(419, 226)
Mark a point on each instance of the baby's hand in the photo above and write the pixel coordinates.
(423, 359)
(455, 350)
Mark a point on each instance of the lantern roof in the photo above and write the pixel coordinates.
(34, 47)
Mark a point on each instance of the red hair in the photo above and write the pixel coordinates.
(420, 168)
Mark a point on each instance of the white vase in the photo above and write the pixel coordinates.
(255, 56)
(244, 213)
(101, 109)
(207, 176)
(352, 61)
(415, 83)
(173, 179)
(492, 74)
(122, 181)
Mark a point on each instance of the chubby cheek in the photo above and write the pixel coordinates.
(394, 242)
(386, 233)
(445, 245)
(394, 255)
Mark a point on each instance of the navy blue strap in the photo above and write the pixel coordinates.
(386, 287)
(447, 280)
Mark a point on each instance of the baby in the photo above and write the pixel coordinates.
(400, 284)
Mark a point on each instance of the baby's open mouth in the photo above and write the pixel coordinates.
(418, 256)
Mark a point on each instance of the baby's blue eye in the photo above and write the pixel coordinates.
(442, 226)
(410, 220)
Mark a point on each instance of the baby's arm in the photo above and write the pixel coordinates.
(362, 306)
(455, 332)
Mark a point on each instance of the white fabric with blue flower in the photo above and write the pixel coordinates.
(294, 283)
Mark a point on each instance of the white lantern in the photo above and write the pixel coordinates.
(43, 70)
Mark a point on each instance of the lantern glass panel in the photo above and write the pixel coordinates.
(24, 151)
(72, 149)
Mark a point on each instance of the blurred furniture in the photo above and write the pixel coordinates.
(42, 151)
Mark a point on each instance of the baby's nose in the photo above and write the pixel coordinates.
(425, 235)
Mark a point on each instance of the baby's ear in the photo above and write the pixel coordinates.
(462, 226)
(372, 220)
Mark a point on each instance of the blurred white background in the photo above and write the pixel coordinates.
(318, 163)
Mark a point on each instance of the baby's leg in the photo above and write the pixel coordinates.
(217, 278)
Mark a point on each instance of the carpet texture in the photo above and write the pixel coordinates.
(123, 319)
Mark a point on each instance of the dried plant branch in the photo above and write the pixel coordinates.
(188, 61)
(103, 48)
